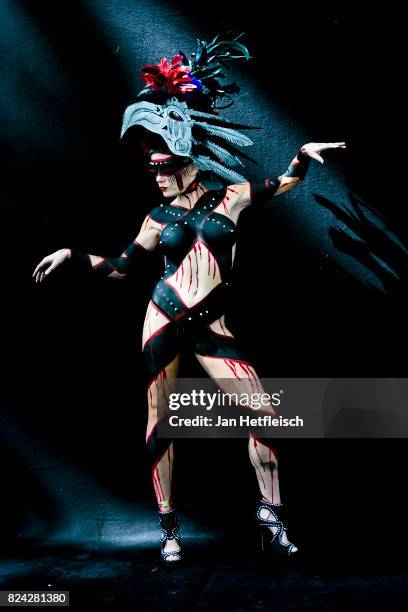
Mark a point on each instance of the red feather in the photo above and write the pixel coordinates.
(172, 76)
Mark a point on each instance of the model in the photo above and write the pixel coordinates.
(185, 144)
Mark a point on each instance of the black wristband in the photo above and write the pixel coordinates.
(299, 170)
(80, 260)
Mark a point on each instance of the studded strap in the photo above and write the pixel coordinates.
(171, 553)
(267, 522)
(169, 524)
(277, 537)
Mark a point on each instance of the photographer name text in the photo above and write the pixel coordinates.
(241, 421)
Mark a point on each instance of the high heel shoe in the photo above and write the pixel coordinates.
(272, 542)
(170, 525)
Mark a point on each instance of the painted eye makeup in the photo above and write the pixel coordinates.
(167, 165)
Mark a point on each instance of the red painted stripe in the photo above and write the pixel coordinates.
(160, 159)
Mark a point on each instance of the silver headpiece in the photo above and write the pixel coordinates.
(192, 133)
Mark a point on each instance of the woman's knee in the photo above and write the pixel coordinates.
(265, 452)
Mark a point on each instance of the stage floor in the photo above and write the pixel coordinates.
(217, 573)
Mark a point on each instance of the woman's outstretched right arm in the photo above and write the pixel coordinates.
(113, 267)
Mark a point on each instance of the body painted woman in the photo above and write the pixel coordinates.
(195, 229)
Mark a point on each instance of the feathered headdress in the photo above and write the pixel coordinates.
(179, 102)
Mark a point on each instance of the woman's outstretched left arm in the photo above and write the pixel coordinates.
(261, 191)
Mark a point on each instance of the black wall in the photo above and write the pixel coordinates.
(73, 385)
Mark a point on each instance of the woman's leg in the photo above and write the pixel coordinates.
(160, 349)
(223, 361)
(160, 450)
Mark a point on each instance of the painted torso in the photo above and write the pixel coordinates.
(198, 247)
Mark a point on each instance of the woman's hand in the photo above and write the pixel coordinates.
(50, 263)
(313, 149)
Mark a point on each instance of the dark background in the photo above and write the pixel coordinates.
(73, 390)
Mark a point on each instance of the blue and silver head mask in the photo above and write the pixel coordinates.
(192, 133)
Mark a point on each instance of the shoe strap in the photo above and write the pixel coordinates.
(175, 553)
(273, 509)
(169, 524)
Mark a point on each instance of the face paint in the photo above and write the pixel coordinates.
(166, 165)
(174, 174)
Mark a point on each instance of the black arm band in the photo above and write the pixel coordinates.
(299, 167)
(262, 191)
(134, 251)
(122, 264)
(80, 260)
